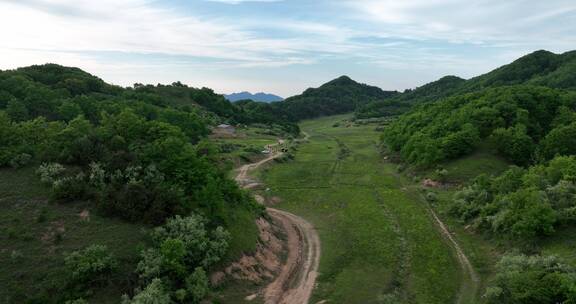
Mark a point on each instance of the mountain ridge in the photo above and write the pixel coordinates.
(260, 97)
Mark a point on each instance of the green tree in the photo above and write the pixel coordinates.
(560, 141)
(69, 110)
(17, 110)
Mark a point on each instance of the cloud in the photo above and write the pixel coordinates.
(242, 1)
(476, 21)
(136, 26)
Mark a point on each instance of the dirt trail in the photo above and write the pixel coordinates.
(471, 283)
(297, 277)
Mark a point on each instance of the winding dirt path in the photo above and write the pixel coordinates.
(471, 282)
(297, 277)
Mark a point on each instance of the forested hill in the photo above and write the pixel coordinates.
(541, 68)
(338, 96)
(526, 108)
(401, 103)
(136, 156)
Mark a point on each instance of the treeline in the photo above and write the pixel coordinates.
(138, 154)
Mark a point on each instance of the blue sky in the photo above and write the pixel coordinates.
(281, 46)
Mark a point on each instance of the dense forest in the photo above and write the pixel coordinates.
(139, 154)
(526, 109)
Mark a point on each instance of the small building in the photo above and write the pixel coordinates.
(226, 129)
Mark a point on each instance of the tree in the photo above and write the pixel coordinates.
(560, 141)
(69, 110)
(527, 214)
(17, 110)
(514, 144)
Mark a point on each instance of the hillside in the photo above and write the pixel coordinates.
(401, 103)
(341, 95)
(541, 68)
(260, 97)
(463, 146)
(113, 190)
(520, 107)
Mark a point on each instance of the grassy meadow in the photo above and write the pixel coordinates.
(36, 235)
(378, 239)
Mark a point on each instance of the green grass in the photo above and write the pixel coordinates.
(32, 254)
(462, 170)
(249, 142)
(376, 237)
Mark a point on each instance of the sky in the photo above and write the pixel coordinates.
(281, 46)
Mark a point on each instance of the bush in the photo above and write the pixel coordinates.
(532, 279)
(77, 301)
(90, 265)
(70, 188)
(20, 160)
(48, 172)
(154, 293)
(431, 197)
(203, 247)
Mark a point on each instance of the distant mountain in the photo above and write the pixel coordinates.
(341, 95)
(262, 97)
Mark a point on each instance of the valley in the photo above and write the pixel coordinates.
(379, 239)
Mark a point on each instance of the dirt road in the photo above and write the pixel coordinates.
(471, 282)
(297, 277)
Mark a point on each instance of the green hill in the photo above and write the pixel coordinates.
(401, 103)
(103, 187)
(541, 68)
(341, 95)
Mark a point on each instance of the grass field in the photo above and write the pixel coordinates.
(378, 239)
(35, 236)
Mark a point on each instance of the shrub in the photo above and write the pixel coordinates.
(91, 264)
(441, 175)
(203, 247)
(48, 172)
(197, 285)
(20, 160)
(70, 188)
(154, 293)
(77, 301)
(532, 279)
(431, 197)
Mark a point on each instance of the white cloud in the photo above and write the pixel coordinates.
(242, 1)
(474, 21)
(128, 26)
